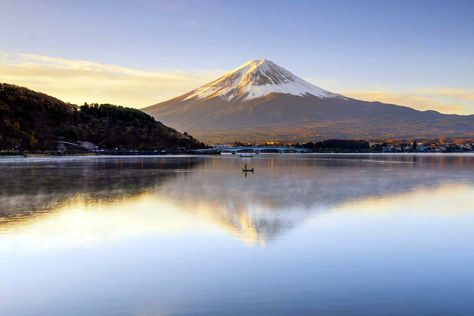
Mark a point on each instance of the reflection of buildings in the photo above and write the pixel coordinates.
(282, 193)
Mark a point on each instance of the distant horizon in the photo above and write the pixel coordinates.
(411, 53)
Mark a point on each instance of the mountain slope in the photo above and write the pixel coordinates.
(35, 121)
(262, 101)
(255, 79)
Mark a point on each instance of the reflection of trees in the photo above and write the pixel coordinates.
(36, 187)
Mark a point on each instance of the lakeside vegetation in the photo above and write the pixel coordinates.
(365, 146)
(339, 145)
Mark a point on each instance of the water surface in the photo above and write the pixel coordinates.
(304, 234)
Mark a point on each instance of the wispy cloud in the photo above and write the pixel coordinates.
(79, 81)
(442, 99)
(445, 100)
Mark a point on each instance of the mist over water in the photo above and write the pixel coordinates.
(303, 234)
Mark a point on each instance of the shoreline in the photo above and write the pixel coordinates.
(39, 157)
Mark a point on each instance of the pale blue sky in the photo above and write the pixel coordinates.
(366, 46)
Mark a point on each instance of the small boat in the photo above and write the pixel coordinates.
(246, 169)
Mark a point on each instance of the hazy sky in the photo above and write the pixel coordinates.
(136, 53)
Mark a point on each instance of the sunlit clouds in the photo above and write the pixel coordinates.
(450, 100)
(79, 81)
(445, 100)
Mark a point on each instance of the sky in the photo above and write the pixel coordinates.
(418, 53)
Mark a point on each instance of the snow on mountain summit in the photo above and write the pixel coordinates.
(255, 79)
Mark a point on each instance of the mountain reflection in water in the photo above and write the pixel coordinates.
(114, 198)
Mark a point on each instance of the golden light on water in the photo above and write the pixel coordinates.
(439, 201)
(84, 222)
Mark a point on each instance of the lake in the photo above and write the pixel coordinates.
(304, 234)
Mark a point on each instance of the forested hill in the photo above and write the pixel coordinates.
(31, 120)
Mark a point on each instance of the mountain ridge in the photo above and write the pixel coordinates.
(258, 101)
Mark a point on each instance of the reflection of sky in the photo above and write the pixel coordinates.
(402, 244)
(282, 195)
(83, 223)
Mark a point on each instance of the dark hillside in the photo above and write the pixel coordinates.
(35, 121)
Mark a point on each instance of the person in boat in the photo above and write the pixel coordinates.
(246, 169)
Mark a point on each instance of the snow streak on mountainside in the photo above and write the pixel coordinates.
(255, 79)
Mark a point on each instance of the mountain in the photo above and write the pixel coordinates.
(262, 101)
(31, 120)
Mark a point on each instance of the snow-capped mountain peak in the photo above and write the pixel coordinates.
(255, 79)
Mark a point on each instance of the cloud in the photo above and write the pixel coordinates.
(445, 100)
(456, 93)
(441, 99)
(79, 81)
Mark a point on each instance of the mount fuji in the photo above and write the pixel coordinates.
(261, 101)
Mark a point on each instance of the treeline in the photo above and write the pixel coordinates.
(35, 121)
(338, 145)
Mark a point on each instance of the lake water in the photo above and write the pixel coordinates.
(303, 234)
